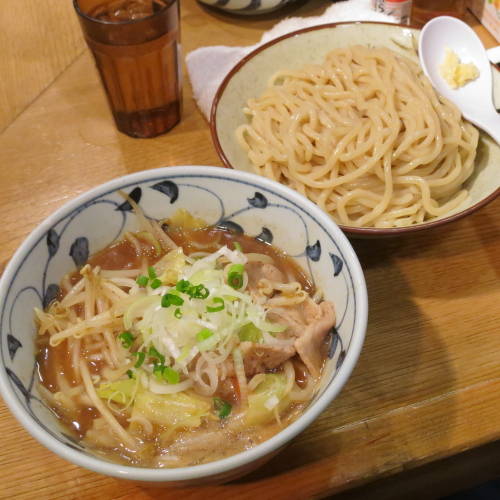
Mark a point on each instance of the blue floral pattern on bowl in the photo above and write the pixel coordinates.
(234, 200)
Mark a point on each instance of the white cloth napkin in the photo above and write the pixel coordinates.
(207, 66)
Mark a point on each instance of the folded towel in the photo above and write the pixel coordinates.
(207, 66)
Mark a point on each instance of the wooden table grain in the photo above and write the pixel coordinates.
(424, 395)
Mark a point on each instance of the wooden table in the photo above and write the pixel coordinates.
(426, 387)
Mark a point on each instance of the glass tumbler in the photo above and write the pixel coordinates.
(425, 10)
(136, 47)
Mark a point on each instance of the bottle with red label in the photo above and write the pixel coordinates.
(400, 9)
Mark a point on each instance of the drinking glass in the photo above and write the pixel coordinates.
(425, 10)
(136, 47)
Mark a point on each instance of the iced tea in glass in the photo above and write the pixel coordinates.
(424, 10)
(136, 47)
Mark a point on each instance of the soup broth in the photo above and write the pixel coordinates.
(195, 345)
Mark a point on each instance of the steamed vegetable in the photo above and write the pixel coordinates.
(170, 266)
(181, 410)
(183, 219)
(268, 396)
(250, 333)
(120, 391)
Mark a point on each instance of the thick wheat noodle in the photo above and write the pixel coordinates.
(365, 136)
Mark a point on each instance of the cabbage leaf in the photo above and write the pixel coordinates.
(120, 391)
(261, 409)
(179, 410)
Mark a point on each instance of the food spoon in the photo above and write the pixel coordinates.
(474, 99)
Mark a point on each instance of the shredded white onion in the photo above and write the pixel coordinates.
(209, 369)
(239, 369)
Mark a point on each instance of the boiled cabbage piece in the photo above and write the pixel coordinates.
(120, 391)
(268, 396)
(179, 410)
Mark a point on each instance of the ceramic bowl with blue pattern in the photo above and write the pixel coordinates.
(236, 200)
(247, 7)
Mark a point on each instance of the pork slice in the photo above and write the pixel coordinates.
(309, 344)
(259, 358)
(259, 270)
(289, 316)
(311, 311)
(295, 317)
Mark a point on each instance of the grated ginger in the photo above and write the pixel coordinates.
(455, 73)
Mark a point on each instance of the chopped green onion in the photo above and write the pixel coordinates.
(130, 374)
(153, 353)
(156, 283)
(141, 356)
(175, 299)
(204, 334)
(170, 375)
(220, 307)
(194, 291)
(142, 280)
(171, 299)
(158, 370)
(222, 408)
(237, 246)
(235, 276)
(183, 286)
(250, 333)
(199, 292)
(152, 272)
(178, 313)
(127, 339)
